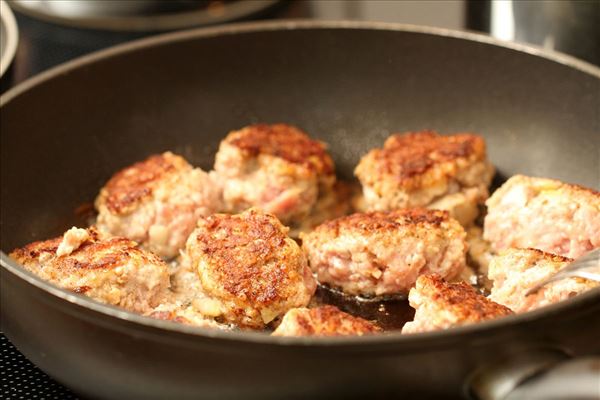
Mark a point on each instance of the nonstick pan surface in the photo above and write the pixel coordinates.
(349, 84)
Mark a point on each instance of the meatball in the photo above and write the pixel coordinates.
(442, 305)
(276, 168)
(383, 253)
(544, 214)
(425, 169)
(323, 321)
(515, 271)
(157, 202)
(111, 270)
(249, 266)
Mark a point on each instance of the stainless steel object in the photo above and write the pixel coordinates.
(140, 15)
(538, 374)
(569, 26)
(9, 37)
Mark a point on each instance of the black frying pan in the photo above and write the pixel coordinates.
(350, 84)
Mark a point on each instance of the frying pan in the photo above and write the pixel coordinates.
(350, 84)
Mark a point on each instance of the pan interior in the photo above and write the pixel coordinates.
(62, 139)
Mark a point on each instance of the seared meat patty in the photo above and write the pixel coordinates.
(442, 305)
(424, 169)
(111, 270)
(514, 271)
(157, 202)
(544, 214)
(250, 266)
(276, 168)
(383, 253)
(323, 321)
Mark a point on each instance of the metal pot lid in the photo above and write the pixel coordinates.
(140, 15)
(9, 37)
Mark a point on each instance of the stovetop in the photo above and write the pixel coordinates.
(23, 380)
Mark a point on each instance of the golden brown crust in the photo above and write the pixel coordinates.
(93, 253)
(410, 159)
(130, 186)
(515, 260)
(34, 250)
(363, 223)
(539, 254)
(237, 248)
(111, 270)
(247, 263)
(460, 299)
(283, 141)
(324, 321)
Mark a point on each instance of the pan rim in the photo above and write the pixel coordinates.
(267, 26)
(415, 341)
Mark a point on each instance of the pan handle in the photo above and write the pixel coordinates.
(546, 375)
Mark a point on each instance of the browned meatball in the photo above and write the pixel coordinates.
(250, 266)
(544, 214)
(323, 321)
(515, 271)
(424, 169)
(111, 270)
(442, 305)
(383, 253)
(157, 202)
(276, 168)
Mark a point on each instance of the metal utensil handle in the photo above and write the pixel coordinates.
(546, 375)
(578, 378)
